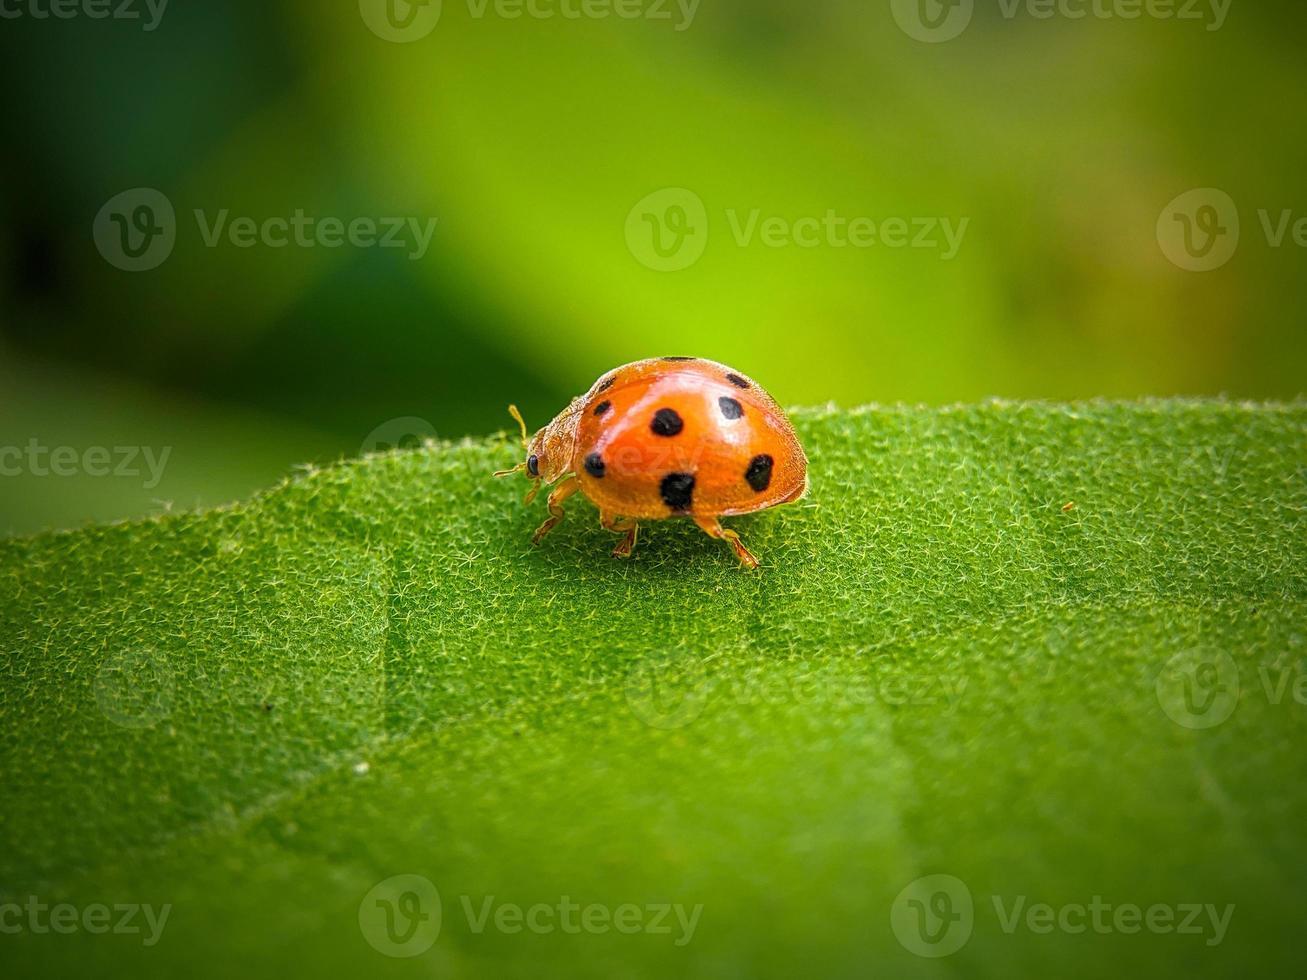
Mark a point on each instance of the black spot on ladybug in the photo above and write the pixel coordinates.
(666, 422)
(603, 407)
(759, 472)
(736, 380)
(680, 358)
(677, 490)
(731, 409)
(594, 465)
(607, 382)
(533, 464)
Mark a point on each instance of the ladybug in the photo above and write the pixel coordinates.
(667, 437)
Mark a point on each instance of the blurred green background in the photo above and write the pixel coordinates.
(1055, 144)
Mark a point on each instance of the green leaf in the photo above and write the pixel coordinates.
(1056, 653)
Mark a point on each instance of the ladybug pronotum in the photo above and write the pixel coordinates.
(667, 437)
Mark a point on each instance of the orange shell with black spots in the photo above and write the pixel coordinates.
(669, 437)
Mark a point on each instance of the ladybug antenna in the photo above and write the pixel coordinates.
(512, 410)
(526, 441)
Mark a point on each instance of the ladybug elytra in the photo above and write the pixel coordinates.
(667, 437)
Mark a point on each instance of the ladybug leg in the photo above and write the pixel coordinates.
(621, 525)
(712, 526)
(556, 498)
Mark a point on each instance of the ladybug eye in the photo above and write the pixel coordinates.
(533, 464)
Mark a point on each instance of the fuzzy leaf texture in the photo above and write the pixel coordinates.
(1053, 652)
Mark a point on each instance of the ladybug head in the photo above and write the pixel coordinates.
(532, 463)
(547, 455)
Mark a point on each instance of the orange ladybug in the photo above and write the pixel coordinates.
(667, 437)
